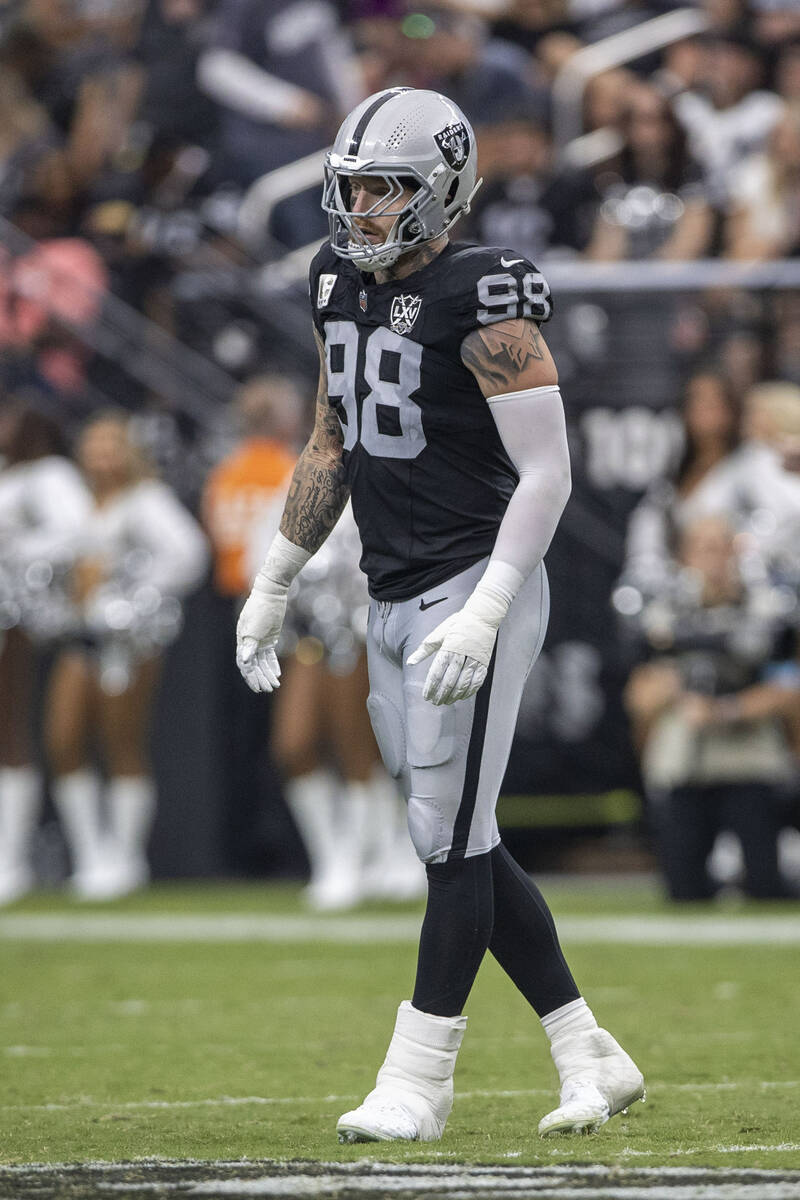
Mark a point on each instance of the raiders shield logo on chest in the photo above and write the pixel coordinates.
(404, 312)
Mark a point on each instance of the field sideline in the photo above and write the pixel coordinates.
(221, 1025)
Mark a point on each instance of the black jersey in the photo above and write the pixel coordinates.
(428, 474)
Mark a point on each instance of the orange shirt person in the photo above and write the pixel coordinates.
(249, 480)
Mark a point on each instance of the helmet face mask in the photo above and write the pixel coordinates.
(408, 141)
(348, 237)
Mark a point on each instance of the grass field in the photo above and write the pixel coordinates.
(218, 1023)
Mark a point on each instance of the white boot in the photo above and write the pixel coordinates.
(77, 800)
(413, 1093)
(598, 1079)
(131, 810)
(20, 803)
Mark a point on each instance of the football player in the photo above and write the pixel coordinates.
(439, 414)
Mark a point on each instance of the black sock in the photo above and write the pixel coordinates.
(524, 940)
(455, 933)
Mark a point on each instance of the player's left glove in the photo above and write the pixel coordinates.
(463, 643)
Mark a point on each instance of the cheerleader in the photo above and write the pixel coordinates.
(141, 552)
(44, 505)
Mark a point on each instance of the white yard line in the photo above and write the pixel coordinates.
(230, 927)
(748, 1085)
(565, 1182)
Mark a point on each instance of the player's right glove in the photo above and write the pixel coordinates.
(261, 618)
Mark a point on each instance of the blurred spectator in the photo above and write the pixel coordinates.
(451, 52)
(771, 494)
(709, 707)
(270, 415)
(273, 68)
(741, 354)
(47, 295)
(764, 217)
(605, 100)
(526, 202)
(44, 506)
(282, 72)
(727, 116)
(140, 552)
(75, 58)
(170, 41)
(704, 482)
(32, 162)
(655, 205)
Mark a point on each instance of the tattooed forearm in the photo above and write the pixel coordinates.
(318, 491)
(317, 495)
(507, 357)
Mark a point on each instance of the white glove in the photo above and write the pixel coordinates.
(465, 640)
(464, 644)
(261, 618)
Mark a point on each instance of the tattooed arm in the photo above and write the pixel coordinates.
(317, 495)
(510, 356)
(318, 491)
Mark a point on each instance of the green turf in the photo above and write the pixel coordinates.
(93, 1035)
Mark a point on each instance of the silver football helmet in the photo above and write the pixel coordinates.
(409, 139)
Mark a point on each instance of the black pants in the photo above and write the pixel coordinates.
(688, 819)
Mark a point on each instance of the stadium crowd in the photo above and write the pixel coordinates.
(131, 138)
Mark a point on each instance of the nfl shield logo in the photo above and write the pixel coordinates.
(404, 312)
(362, 300)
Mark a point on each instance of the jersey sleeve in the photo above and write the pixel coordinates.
(499, 285)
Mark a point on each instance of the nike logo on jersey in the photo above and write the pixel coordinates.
(430, 604)
(512, 262)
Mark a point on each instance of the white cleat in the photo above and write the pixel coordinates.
(413, 1094)
(381, 1118)
(598, 1080)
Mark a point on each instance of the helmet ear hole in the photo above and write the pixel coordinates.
(451, 193)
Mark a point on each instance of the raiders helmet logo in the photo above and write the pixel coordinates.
(404, 312)
(453, 141)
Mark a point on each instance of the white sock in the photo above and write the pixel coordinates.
(20, 804)
(132, 808)
(310, 799)
(77, 799)
(575, 1017)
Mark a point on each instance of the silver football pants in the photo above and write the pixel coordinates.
(450, 759)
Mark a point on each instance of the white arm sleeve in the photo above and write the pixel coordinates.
(533, 431)
(233, 80)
